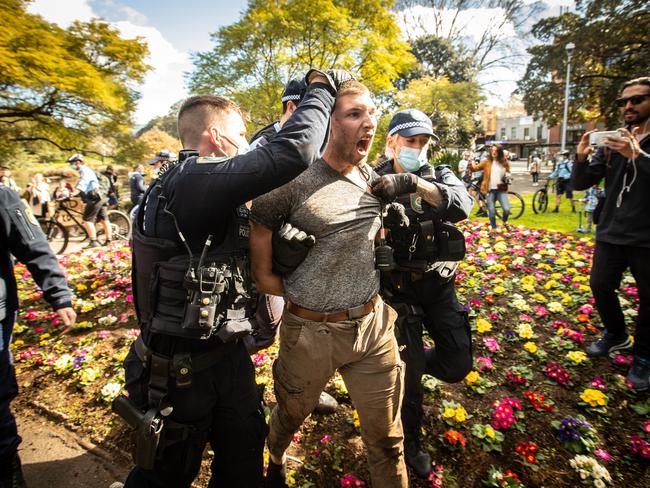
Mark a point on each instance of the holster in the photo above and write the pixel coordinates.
(149, 426)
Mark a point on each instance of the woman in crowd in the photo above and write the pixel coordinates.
(496, 174)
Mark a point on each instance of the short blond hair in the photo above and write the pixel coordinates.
(352, 87)
(200, 112)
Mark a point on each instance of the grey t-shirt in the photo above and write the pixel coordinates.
(339, 271)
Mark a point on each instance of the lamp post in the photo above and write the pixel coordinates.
(569, 53)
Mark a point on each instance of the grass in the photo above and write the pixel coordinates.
(563, 221)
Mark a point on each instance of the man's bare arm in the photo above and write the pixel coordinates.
(261, 252)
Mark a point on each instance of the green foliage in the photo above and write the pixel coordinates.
(64, 87)
(612, 46)
(276, 40)
(437, 56)
(166, 123)
(451, 107)
(447, 158)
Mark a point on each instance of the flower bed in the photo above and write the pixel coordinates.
(533, 412)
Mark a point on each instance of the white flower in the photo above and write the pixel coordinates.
(583, 474)
(599, 484)
(111, 390)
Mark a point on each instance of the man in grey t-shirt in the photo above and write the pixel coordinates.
(334, 318)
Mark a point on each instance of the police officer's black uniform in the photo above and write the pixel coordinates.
(421, 296)
(208, 384)
(21, 236)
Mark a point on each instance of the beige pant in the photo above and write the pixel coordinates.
(366, 354)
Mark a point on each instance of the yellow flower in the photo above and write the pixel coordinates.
(18, 343)
(531, 347)
(472, 377)
(81, 287)
(576, 356)
(461, 414)
(449, 412)
(45, 336)
(489, 432)
(499, 290)
(539, 297)
(525, 331)
(528, 280)
(483, 326)
(550, 284)
(593, 397)
(356, 421)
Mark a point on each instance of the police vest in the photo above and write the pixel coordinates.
(427, 239)
(172, 294)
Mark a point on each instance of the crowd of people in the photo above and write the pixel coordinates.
(352, 262)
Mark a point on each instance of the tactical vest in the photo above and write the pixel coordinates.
(414, 246)
(174, 296)
(427, 239)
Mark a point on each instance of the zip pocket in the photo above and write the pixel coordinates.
(25, 224)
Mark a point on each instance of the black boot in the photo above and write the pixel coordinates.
(276, 476)
(11, 474)
(556, 209)
(416, 457)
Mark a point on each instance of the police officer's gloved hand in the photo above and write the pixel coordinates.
(335, 77)
(396, 216)
(290, 248)
(389, 187)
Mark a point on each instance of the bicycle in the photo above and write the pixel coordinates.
(65, 225)
(517, 205)
(540, 198)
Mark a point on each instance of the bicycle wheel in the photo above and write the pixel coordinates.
(55, 233)
(517, 206)
(120, 225)
(540, 201)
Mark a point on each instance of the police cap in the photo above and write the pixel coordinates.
(411, 122)
(75, 157)
(294, 91)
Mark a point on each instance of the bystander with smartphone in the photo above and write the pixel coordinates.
(623, 232)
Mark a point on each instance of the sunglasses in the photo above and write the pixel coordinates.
(634, 100)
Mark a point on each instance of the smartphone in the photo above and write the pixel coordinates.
(596, 138)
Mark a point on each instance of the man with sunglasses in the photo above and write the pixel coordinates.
(623, 233)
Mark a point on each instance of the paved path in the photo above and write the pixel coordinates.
(52, 456)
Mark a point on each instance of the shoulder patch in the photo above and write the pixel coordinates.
(212, 159)
(30, 215)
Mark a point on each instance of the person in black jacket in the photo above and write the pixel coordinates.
(623, 232)
(189, 375)
(21, 236)
(421, 286)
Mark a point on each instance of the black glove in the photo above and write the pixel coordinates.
(335, 77)
(290, 248)
(389, 187)
(396, 216)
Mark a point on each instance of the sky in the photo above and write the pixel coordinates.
(176, 29)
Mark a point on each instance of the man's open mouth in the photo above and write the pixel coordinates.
(363, 145)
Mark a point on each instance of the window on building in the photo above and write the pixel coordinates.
(513, 133)
(526, 133)
(539, 132)
(503, 132)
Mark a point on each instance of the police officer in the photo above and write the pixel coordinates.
(21, 236)
(160, 158)
(189, 377)
(291, 98)
(421, 285)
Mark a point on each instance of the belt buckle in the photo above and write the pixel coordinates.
(357, 312)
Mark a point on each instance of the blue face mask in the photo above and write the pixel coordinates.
(412, 159)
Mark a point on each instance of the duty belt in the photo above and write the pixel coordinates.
(180, 366)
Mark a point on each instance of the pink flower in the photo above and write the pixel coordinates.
(646, 426)
(325, 439)
(484, 363)
(602, 454)
(259, 359)
(351, 481)
(586, 309)
(598, 382)
(622, 360)
(492, 344)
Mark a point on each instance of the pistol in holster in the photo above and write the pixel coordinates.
(148, 424)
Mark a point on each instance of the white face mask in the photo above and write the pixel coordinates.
(242, 148)
(412, 159)
(390, 154)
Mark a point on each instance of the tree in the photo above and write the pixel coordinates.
(65, 87)
(167, 123)
(276, 40)
(451, 107)
(450, 26)
(155, 139)
(612, 46)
